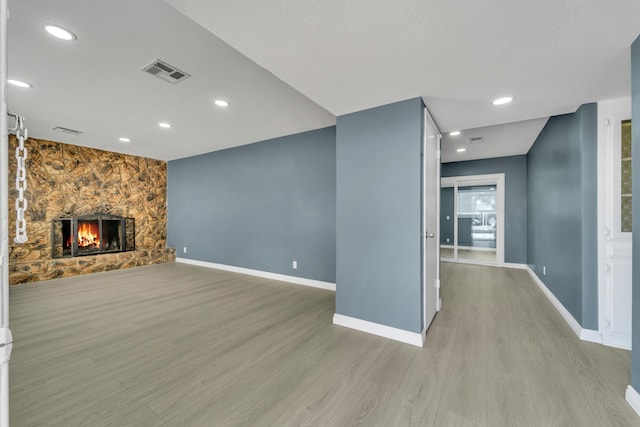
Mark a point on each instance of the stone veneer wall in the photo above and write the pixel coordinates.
(67, 180)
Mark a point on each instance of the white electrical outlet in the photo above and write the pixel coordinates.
(295, 264)
(184, 250)
(544, 270)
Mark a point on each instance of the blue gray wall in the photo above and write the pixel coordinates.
(447, 207)
(635, 146)
(379, 239)
(562, 197)
(515, 198)
(259, 206)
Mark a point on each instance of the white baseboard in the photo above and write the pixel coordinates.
(413, 338)
(477, 248)
(591, 336)
(612, 339)
(633, 399)
(469, 248)
(584, 334)
(265, 274)
(472, 262)
(515, 265)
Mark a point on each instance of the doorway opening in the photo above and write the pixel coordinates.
(472, 219)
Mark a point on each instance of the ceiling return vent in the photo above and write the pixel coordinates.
(166, 72)
(66, 130)
(476, 140)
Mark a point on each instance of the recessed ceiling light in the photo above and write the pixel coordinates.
(461, 150)
(123, 139)
(454, 133)
(502, 101)
(59, 32)
(19, 83)
(221, 103)
(164, 125)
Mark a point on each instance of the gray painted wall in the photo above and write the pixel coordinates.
(259, 206)
(379, 239)
(515, 198)
(587, 117)
(446, 210)
(635, 138)
(562, 172)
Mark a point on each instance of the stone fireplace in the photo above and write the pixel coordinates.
(92, 235)
(88, 211)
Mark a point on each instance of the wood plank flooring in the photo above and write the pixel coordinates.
(179, 345)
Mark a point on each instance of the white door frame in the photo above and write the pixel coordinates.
(496, 179)
(428, 120)
(5, 332)
(614, 246)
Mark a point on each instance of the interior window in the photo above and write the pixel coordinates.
(625, 185)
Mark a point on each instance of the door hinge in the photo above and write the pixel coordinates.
(6, 345)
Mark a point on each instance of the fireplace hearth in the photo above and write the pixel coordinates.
(92, 235)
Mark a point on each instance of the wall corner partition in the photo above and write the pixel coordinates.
(378, 220)
(562, 212)
(632, 392)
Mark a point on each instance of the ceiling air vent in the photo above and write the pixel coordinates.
(166, 72)
(476, 140)
(67, 130)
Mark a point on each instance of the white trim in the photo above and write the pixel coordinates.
(428, 257)
(614, 246)
(591, 336)
(472, 262)
(612, 339)
(477, 248)
(584, 334)
(633, 399)
(4, 218)
(413, 338)
(265, 274)
(488, 263)
(515, 265)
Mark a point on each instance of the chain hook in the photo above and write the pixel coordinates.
(21, 181)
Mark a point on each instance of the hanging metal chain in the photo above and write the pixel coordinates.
(21, 181)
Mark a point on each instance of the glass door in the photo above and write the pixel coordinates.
(477, 221)
(471, 219)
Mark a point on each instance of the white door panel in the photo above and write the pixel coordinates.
(431, 219)
(614, 245)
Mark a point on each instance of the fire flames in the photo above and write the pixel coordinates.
(88, 235)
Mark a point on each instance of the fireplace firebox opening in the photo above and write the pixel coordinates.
(91, 235)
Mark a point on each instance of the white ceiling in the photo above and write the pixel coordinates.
(96, 85)
(510, 139)
(342, 56)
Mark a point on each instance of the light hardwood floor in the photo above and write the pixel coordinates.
(179, 345)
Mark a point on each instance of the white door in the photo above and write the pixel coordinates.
(614, 222)
(431, 219)
(5, 333)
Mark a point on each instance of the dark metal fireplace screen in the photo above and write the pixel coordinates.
(91, 235)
